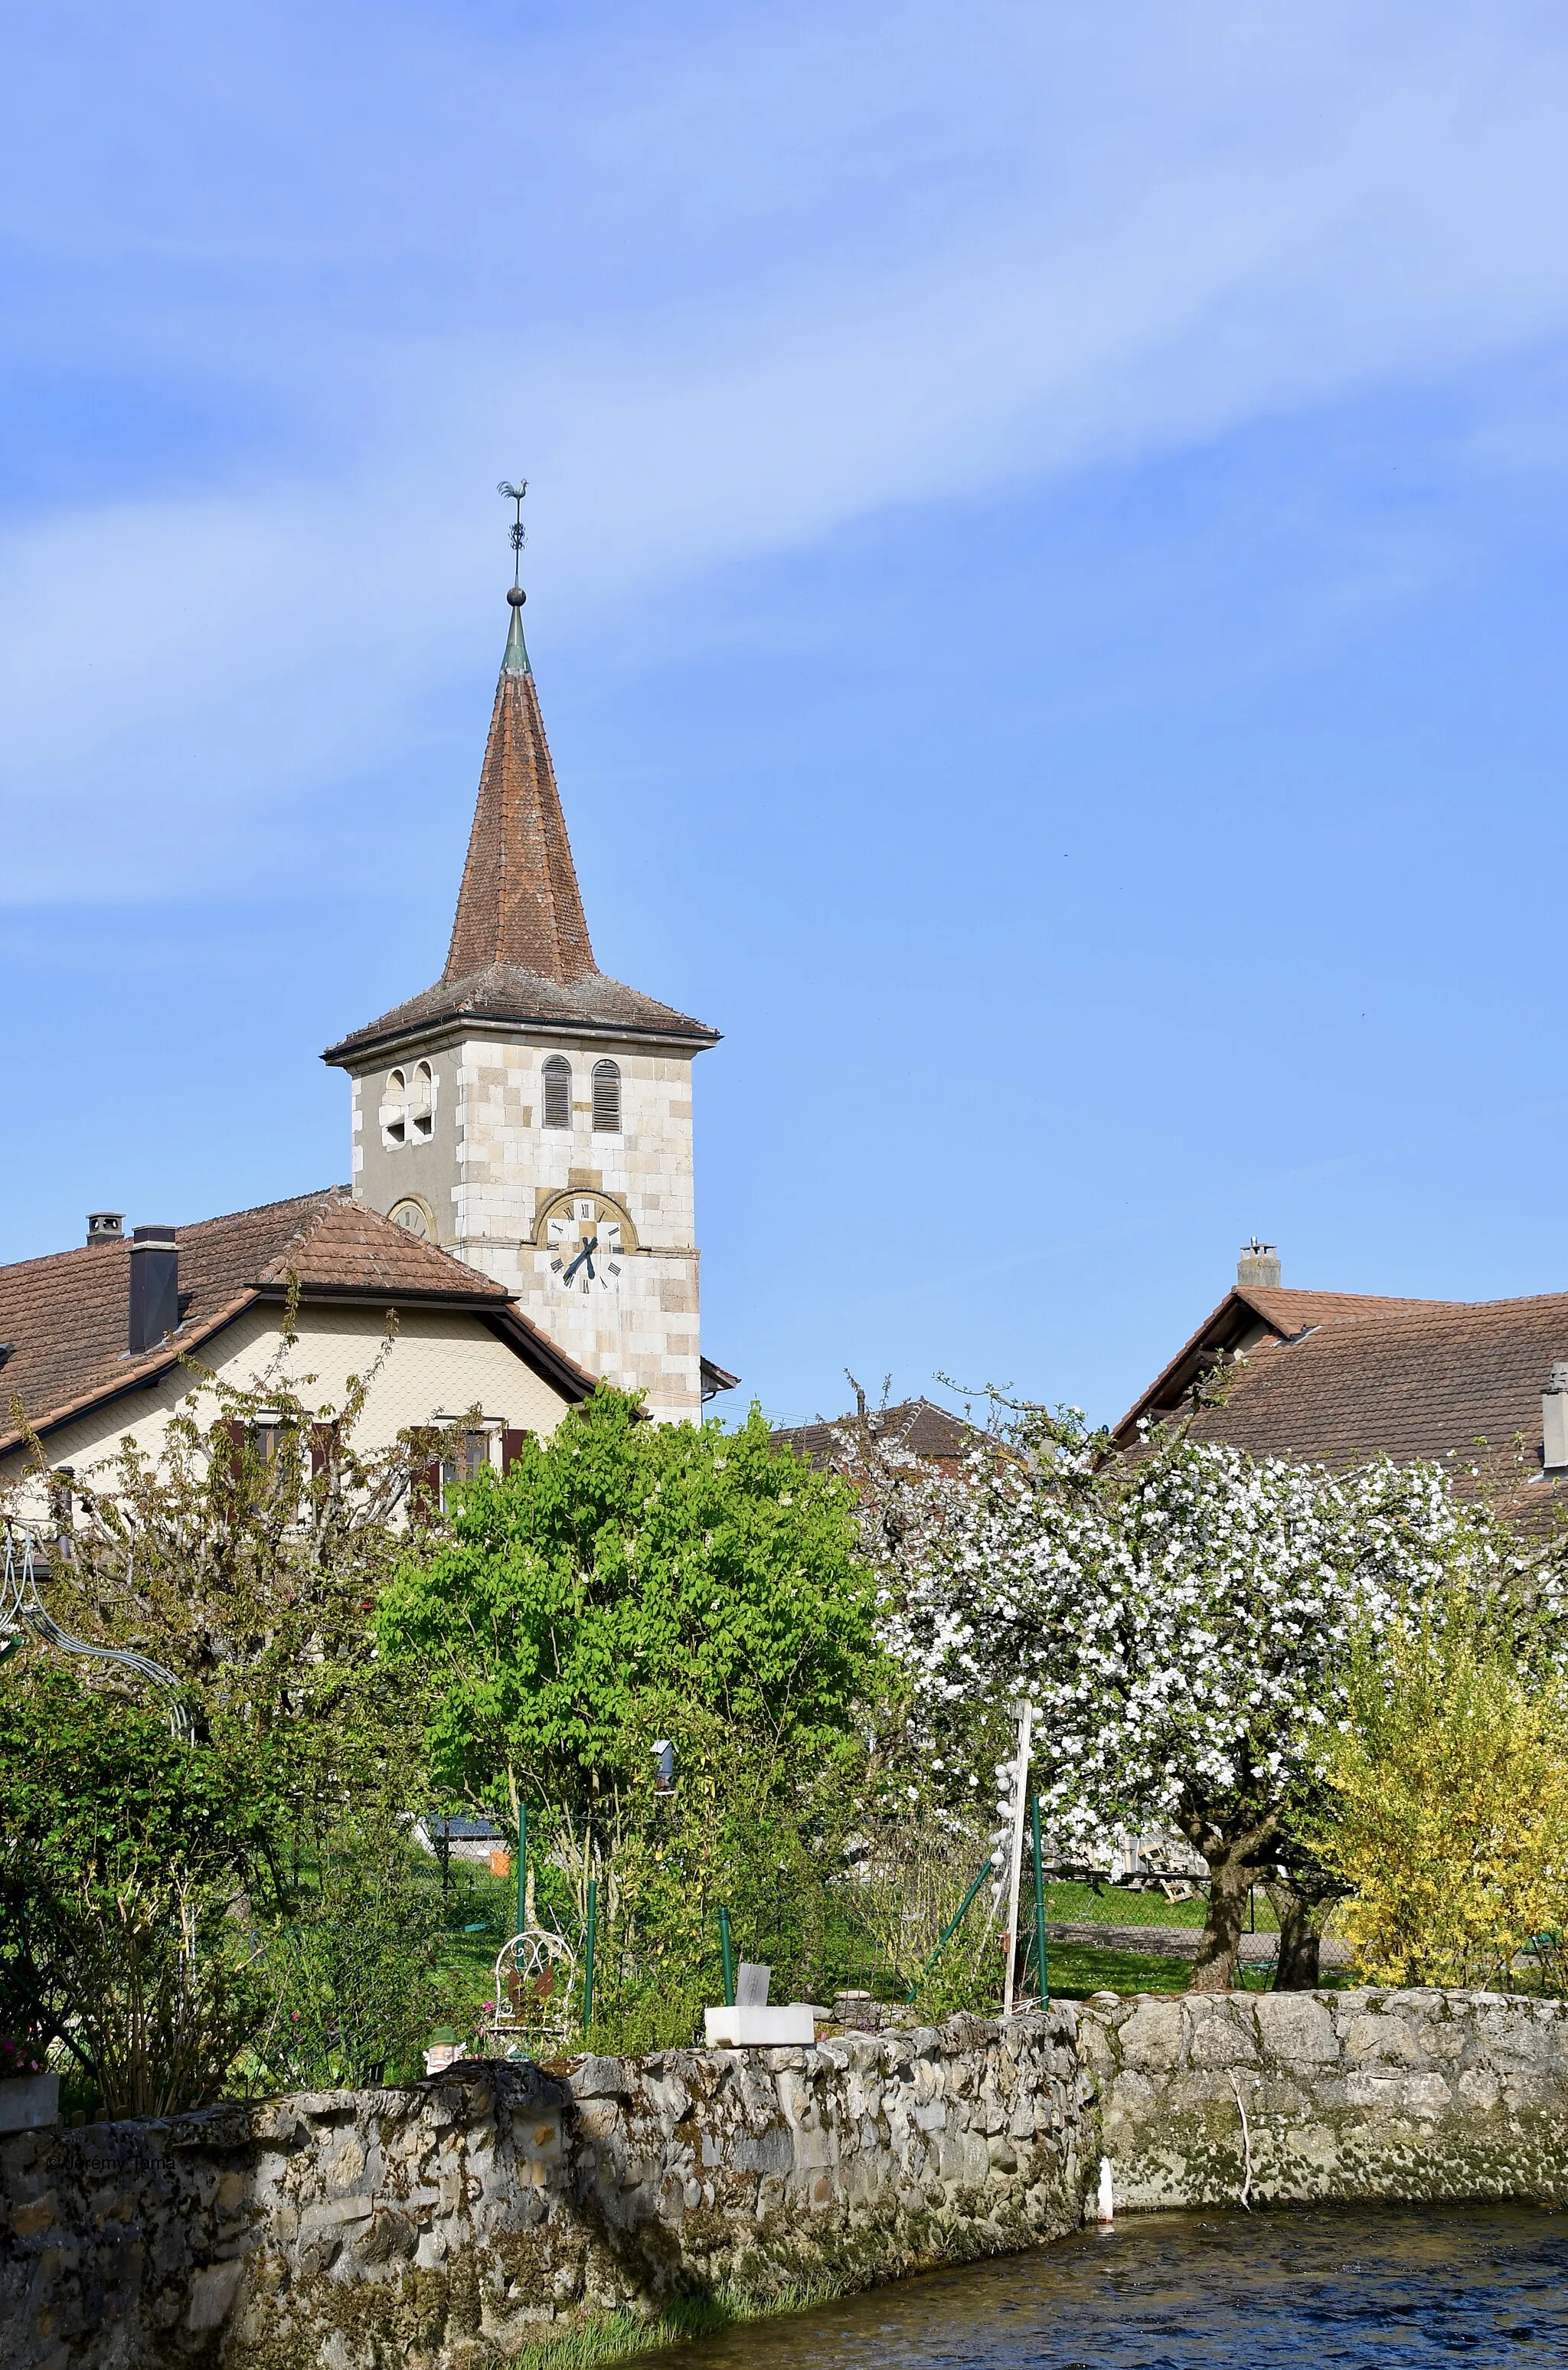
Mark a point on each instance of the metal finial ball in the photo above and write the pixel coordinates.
(516, 597)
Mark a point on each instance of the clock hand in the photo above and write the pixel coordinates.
(585, 1252)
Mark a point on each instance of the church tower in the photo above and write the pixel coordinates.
(527, 1114)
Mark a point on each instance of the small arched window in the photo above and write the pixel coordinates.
(395, 1109)
(557, 1091)
(421, 1102)
(607, 1099)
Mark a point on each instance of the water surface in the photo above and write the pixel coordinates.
(1344, 2287)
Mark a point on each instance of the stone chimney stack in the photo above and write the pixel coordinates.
(1554, 1420)
(154, 1286)
(1259, 1264)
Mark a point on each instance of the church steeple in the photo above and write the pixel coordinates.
(519, 905)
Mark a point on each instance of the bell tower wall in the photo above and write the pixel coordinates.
(499, 1147)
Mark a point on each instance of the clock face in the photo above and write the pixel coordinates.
(583, 1239)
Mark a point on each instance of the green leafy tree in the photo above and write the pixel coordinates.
(624, 1575)
(246, 1557)
(120, 1855)
(628, 1585)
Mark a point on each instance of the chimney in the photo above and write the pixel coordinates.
(1554, 1421)
(106, 1225)
(1259, 1264)
(154, 1286)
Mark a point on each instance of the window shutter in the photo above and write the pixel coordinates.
(557, 1091)
(424, 1490)
(322, 1441)
(607, 1099)
(511, 1448)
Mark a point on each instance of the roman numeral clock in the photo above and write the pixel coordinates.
(585, 1243)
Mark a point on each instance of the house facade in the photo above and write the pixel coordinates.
(108, 1341)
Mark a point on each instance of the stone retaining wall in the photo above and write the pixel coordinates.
(1416, 2094)
(441, 2226)
(449, 2223)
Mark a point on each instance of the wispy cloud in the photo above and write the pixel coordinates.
(720, 293)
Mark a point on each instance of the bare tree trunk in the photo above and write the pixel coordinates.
(1231, 1872)
(1300, 1934)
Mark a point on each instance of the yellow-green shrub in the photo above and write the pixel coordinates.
(1447, 1818)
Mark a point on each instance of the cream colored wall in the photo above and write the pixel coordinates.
(442, 1363)
(487, 1179)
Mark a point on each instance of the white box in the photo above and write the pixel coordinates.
(29, 2103)
(761, 2028)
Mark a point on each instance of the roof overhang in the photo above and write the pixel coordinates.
(367, 1049)
(1237, 1316)
(498, 1315)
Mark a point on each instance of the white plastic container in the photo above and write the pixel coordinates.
(761, 2028)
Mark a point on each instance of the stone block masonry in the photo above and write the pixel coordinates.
(1293, 2096)
(449, 2223)
(444, 2225)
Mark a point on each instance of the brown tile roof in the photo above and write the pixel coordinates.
(520, 953)
(504, 997)
(1246, 1311)
(1429, 1383)
(67, 1316)
(924, 1429)
(1343, 1377)
(519, 903)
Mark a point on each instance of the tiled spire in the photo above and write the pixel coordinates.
(520, 904)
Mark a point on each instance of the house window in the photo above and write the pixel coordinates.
(470, 1455)
(557, 1091)
(607, 1099)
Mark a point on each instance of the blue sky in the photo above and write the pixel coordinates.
(1048, 540)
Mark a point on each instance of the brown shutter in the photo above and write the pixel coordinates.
(424, 1490)
(323, 1440)
(511, 1447)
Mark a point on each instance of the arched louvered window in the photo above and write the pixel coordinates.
(607, 1097)
(557, 1091)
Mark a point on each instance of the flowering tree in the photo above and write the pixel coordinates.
(1181, 1622)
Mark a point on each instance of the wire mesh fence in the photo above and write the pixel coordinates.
(902, 1925)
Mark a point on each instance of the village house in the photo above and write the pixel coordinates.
(522, 1202)
(1339, 1377)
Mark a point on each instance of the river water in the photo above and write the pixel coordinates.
(1357, 2288)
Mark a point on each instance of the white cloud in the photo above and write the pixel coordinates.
(740, 291)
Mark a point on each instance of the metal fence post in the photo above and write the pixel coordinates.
(592, 1929)
(726, 1948)
(1039, 1901)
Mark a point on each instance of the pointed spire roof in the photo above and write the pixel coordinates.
(520, 955)
(520, 904)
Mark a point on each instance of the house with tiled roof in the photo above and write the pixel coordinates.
(521, 1198)
(916, 1428)
(1338, 1378)
(105, 1342)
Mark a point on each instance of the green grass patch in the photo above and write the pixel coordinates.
(612, 2336)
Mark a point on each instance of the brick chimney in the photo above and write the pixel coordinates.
(1554, 1421)
(154, 1286)
(1259, 1264)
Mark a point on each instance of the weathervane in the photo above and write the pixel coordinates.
(519, 536)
